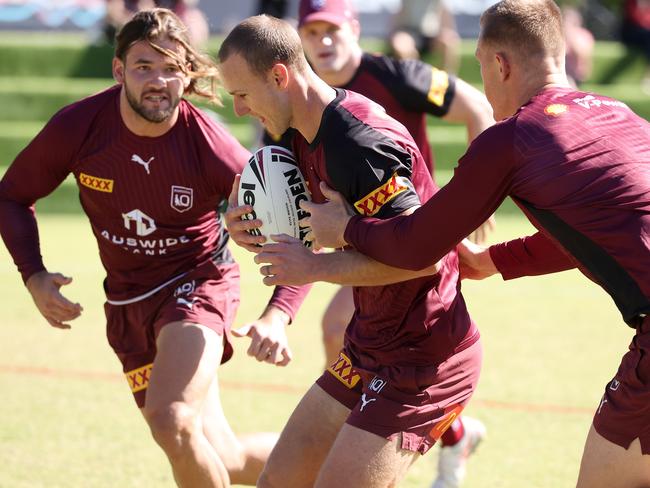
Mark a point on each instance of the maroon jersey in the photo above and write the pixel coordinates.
(407, 89)
(372, 160)
(577, 164)
(151, 201)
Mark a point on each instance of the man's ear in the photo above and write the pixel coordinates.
(504, 65)
(118, 70)
(280, 76)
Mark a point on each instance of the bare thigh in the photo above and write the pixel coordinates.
(360, 458)
(185, 366)
(305, 441)
(607, 465)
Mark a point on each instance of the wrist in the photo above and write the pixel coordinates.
(274, 313)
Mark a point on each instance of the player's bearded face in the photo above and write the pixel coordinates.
(153, 105)
(153, 82)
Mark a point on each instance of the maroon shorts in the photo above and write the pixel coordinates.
(418, 403)
(208, 295)
(624, 411)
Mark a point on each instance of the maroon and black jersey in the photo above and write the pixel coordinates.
(372, 160)
(152, 201)
(407, 89)
(577, 164)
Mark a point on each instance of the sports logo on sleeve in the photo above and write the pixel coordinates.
(139, 378)
(555, 109)
(94, 183)
(438, 88)
(373, 201)
(343, 371)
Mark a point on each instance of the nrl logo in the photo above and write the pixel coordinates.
(182, 198)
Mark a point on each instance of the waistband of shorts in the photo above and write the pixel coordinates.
(147, 294)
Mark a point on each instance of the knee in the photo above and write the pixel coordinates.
(172, 427)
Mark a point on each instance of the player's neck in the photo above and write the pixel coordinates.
(311, 99)
(142, 127)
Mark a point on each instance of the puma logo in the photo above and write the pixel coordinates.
(365, 401)
(137, 159)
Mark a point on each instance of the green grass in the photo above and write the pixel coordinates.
(550, 343)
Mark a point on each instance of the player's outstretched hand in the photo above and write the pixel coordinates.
(45, 290)
(327, 220)
(475, 262)
(287, 262)
(269, 341)
(237, 228)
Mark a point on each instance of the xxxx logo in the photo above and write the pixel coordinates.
(438, 88)
(452, 412)
(139, 378)
(373, 201)
(344, 372)
(94, 183)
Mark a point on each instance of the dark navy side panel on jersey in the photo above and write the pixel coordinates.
(371, 170)
(614, 278)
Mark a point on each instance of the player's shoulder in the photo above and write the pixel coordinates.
(351, 115)
(207, 121)
(87, 108)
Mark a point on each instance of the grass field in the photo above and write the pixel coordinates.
(68, 420)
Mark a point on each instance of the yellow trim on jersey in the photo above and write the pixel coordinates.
(95, 183)
(439, 86)
(373, 201)
(139, 378)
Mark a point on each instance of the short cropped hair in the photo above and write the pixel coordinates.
(264, 41)
(160, 23)
(530, 27)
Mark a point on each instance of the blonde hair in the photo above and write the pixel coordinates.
(264, 41)
(160, 23)
(532, 28)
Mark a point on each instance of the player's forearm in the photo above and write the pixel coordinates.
(288, 299)
(355, 269)
(529, 256)
(20, 234)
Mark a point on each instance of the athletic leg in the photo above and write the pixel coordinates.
(335, 320)
(243, 456)
(184, 369)
(608, 465)
(305, 441)
(360, 458)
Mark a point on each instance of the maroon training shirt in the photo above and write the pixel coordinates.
(151, 201)
(577, 164)
(372, 160)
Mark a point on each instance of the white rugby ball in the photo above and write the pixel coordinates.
(273, 185)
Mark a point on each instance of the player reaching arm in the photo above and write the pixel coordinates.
(576, 164)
